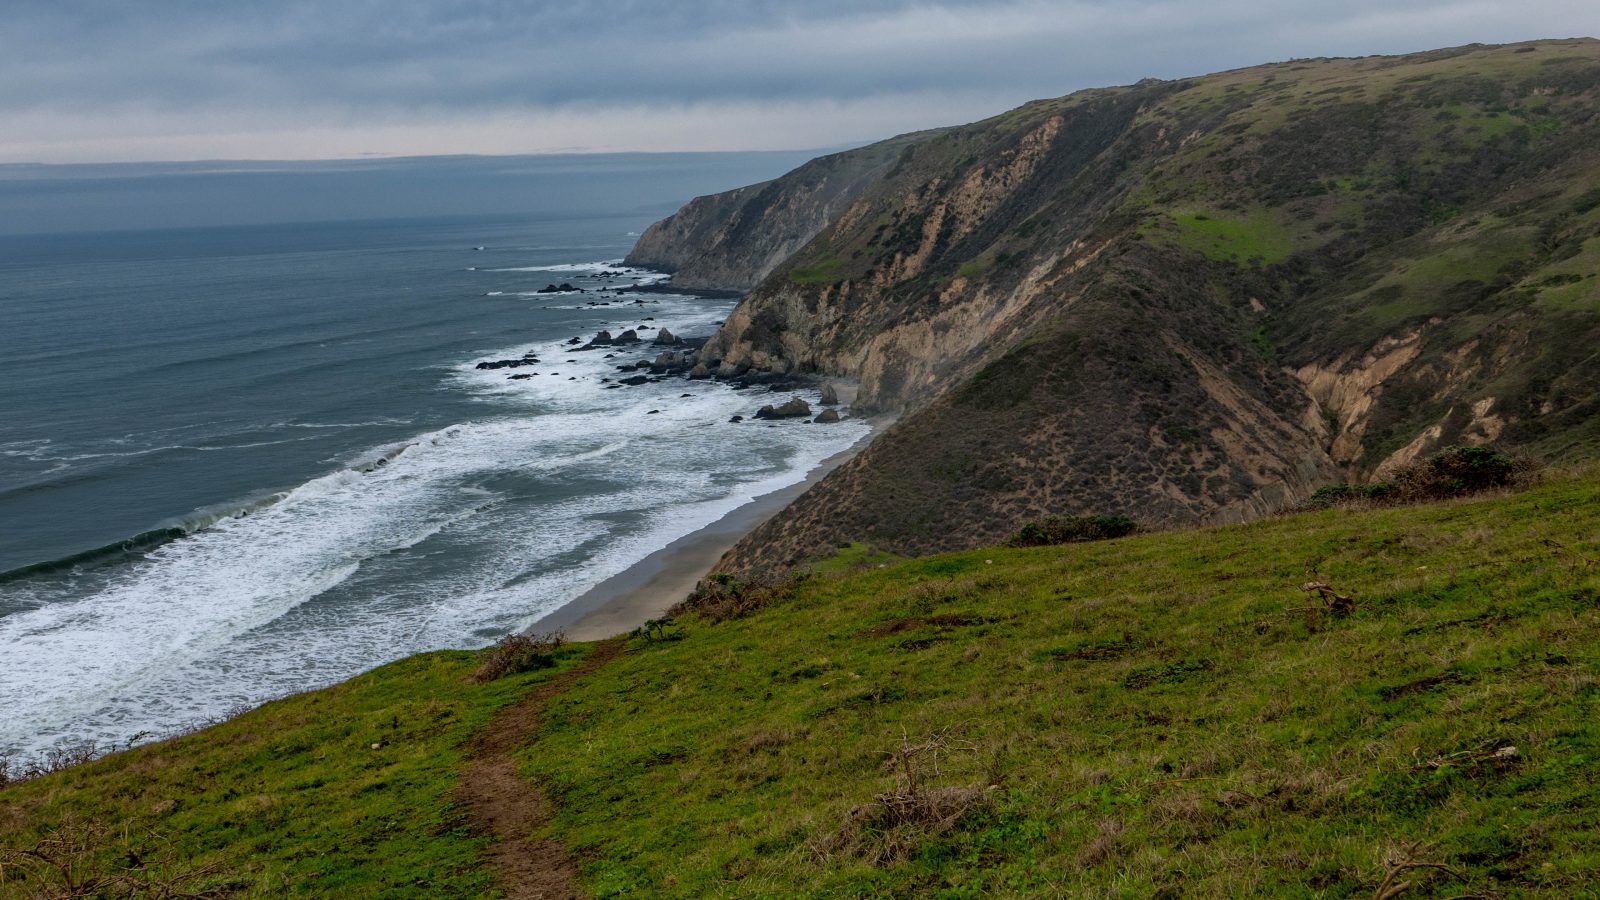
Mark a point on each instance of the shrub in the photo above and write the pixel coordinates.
(518, 653)
(1456, 472)
(1072, 530)
(1349, 494)
(722, 597)
(1453, 472)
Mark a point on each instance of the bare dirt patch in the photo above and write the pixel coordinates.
(896, 626)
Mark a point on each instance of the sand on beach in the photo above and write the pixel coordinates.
(660, 581)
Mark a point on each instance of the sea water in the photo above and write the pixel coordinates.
(245, 461)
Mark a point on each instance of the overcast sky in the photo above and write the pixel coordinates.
(109, 80)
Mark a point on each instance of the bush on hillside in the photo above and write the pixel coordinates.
(722, 597)
(518, 653)
(1072, 530)
(1350, 494)
(1453, 472)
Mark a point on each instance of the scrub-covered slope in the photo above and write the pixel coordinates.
(1192, 301)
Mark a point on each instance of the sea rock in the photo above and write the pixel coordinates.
(635, 380)
(506, 363)
(699, 372)
(664, 336)
(737, 419)
(828, 417)
(794, 409)
(602, 338)
(522, 377)
(830, 397)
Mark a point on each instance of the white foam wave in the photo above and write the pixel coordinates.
(371, 424)
(607, 264)
(366, 564)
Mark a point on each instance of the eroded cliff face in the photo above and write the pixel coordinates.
(732, 240)
(1189, 301)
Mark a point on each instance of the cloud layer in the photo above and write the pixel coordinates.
(183, 79)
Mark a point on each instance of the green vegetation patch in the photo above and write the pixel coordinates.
(1184, 714)
(1253, 236)
(828, 271)
(1572, 284)
(342, 792)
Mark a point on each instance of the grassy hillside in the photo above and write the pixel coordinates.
(1161, 715)
(341, 792)
(1165, 715)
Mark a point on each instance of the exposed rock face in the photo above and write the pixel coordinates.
(1188, 301)
(665, 336)
(795, 408)
(732, 240)
(828, 416)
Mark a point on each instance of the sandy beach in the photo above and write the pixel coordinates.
(661, 580)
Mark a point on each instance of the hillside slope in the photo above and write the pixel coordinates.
(1193, 301)
(731, 241)
(1159, 716)
(1168, 715)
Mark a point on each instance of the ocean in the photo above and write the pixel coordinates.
(244, 460)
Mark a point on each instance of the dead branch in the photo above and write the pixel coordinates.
(1332, 601)
(1503, 756)
(1399, 862)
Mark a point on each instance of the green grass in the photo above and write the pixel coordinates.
(855, 557)
(291, 799)
(975, 268)
(828, 271)
(1155, 716)
(1572, 283)
(1255, 235)
(1435, 283)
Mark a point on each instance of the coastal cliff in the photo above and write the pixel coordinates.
(731, 241)
(1188, 302)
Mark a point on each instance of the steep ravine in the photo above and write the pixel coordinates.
(1188, 301)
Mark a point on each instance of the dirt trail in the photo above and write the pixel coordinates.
(510, 808)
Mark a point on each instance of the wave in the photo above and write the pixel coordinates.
(446, 539)
(117, 551)
(608, 264)
(372, 424)
(200, 520)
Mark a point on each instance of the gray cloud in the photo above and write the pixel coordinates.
(175, 78)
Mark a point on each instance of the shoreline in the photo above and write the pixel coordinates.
(662, 580)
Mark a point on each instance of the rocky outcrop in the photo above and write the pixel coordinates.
(1188, 301)
(794, 408)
